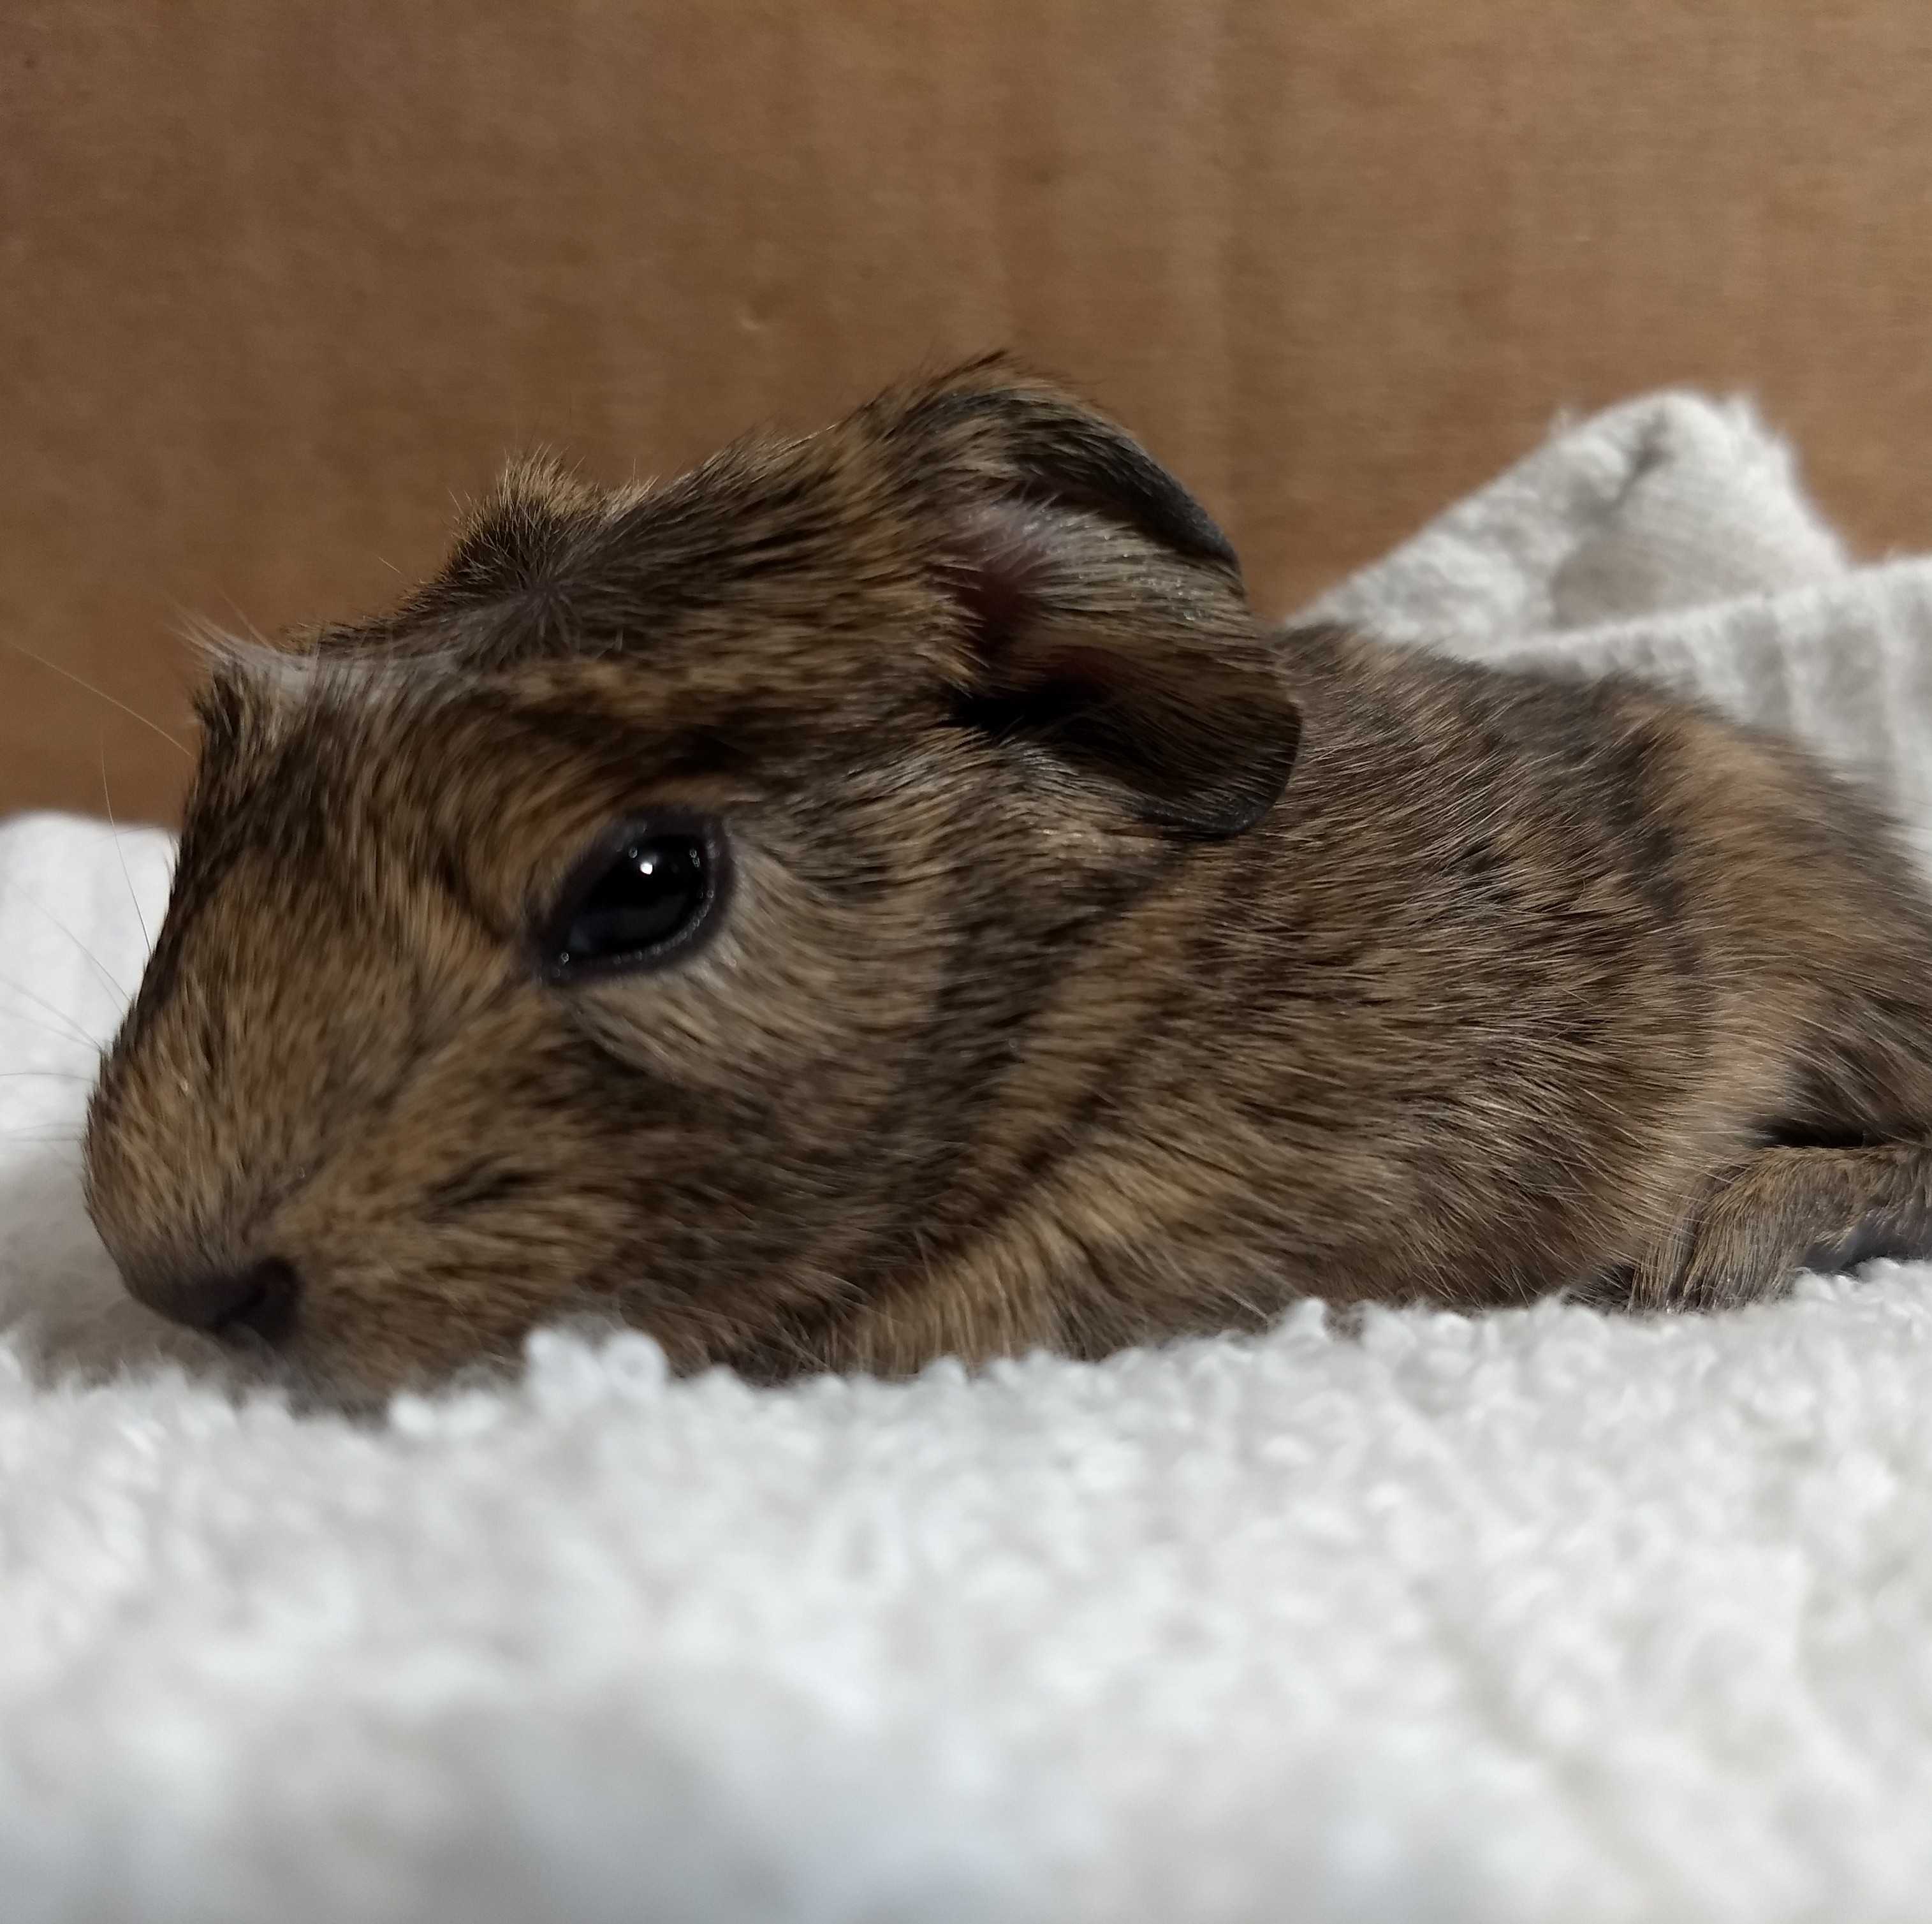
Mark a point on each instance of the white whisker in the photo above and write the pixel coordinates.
(107, 801)
(40, 908)
(73, 1031)
(113, 701)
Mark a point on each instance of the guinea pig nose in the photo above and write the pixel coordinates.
(256, 1304)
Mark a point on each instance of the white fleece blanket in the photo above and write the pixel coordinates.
(1531, 1616)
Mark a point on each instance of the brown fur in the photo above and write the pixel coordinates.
(1099, 966)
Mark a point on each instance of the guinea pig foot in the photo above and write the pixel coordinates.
(1789, 1209)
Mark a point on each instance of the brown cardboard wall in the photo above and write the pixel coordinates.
(277, 280)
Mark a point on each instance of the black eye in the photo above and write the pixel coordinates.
(640, 898)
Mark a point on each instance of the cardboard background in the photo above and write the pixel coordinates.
(277, 280)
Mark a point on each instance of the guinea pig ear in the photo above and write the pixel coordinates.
(1106, 626)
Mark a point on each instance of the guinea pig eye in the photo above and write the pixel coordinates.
(644, 896)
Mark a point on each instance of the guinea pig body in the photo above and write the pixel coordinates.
(883, 895)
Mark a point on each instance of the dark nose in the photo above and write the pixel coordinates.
(257, 1305)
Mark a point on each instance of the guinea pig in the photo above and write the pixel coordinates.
(885, 895)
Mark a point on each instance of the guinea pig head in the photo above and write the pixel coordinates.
(670, 912)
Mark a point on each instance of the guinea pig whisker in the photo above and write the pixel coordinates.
(72, 1031)
(100, 968)
(134, 900)
(113, 701)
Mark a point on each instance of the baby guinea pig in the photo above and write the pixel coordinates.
(885, 895)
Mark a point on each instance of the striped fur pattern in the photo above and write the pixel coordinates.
(1100, 965)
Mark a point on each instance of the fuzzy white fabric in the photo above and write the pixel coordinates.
(1529, 1617)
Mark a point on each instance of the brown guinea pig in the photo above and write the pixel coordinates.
(885, 895)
